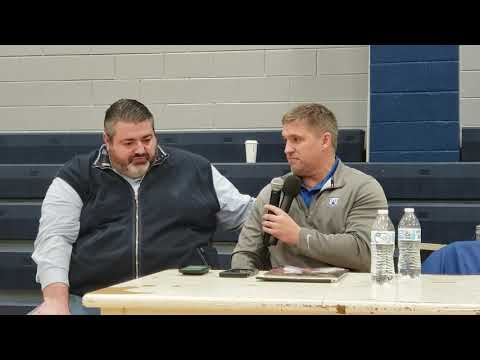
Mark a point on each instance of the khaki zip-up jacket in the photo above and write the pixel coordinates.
(335, 229)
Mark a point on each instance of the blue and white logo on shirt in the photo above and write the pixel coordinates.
(333, 201)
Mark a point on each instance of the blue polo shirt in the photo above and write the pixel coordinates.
(308, 194)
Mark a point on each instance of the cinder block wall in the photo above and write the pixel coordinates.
(470, 85)
(188, 87)
(414, 103)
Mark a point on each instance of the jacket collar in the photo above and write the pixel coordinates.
(103, 159)
(336, 181)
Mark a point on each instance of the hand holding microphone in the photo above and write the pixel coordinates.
(277, 223)
(277, 185)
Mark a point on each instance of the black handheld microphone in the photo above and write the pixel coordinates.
(291, 188)
(277, 184)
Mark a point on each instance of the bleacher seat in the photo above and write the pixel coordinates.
(16, 309)
(17, 270)
(45, 148)
(426, 181)
(251, 178)
(470, 144)
(18, 302)
(442, 222)
(26, 181)
(217, 146)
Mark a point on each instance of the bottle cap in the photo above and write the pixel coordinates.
(383, 212)
(409, 210)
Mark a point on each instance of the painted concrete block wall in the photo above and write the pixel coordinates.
(470, 85)
(188, 87)
(414, 103)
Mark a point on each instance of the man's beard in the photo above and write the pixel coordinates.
(137, 171)
(132, 170)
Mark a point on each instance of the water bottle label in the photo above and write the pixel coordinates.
(409, 234)
(383, 237)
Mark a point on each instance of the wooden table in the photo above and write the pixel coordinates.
(169, 292)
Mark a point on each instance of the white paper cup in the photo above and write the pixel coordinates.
(251, 151)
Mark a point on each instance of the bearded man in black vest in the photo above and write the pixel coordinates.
(126, 210)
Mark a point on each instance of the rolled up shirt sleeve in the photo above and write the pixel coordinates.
(234, 206)
(58, 230)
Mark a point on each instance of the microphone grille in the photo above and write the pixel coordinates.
(277, 184)
(292, 185)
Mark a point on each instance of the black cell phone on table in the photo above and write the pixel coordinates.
(238, 273)
(194, 269)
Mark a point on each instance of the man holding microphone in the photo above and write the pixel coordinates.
(329, 221)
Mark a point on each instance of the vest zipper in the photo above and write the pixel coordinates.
(107, 166)
(135, 197)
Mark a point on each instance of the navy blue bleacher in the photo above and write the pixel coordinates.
(26, 181)
(217, 146)
(446, 196)
(452, 181)
(17, 271)
(442, 222)
(441, 192)
(45, 148)
(470, 144)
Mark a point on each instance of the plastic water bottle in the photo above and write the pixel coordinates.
(409, 239)
(382, 246)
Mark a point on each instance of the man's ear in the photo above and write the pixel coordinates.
(106, 140)
(327, 139)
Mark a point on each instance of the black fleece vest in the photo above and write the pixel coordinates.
(177, 207)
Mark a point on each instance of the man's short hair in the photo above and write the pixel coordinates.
(317, 116)
(127, 110)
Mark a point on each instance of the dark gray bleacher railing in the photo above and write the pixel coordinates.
(57, 148)
(470, 144)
